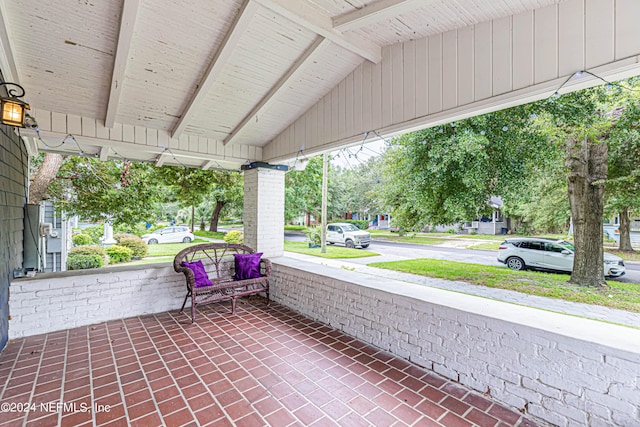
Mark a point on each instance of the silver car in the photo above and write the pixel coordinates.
(529, 252)
(169, 235)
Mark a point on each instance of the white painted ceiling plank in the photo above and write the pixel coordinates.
(322, 24)
(320, 44)
(127, 23)
(239, 26)
(375, 12)
(7, 59)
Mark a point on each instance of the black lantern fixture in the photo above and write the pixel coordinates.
(12, 108)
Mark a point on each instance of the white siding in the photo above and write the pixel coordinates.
(480, 68)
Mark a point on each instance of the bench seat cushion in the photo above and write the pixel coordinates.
(200, 275)
(247, 266)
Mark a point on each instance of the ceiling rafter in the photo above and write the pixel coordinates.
(162, 159)
(104, 154)
(315, 20)
(269, 98)
(31, 145)
(209, 163)
(239, 26)
(130, 10)
(376, 12)
(7, 58)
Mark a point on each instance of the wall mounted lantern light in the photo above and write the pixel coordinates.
(13, 109)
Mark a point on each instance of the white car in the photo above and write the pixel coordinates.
(527, 252)
(348, 235)
(169, 235)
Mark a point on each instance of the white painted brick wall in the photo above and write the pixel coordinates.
(564, 370)
(561, 369)
(263, 213)
(57, 301)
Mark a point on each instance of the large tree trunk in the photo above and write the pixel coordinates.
(587, 164)
(215, 215)
(625, 231)
(47, 173)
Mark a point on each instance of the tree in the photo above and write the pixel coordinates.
(623, 180)
(446, 174)
(303, 191)
(47, 170)
(580, 124)
(359, 186)
(115, 191)
(228, 191)
(188, 185)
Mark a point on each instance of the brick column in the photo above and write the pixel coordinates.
(264, 210)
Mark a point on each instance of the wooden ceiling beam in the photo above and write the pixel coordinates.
(315, 20)
(239, 26)
(375, 12)
(291, 74)
(128, 18)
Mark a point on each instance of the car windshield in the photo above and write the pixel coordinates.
(568, 245)
(350, 227)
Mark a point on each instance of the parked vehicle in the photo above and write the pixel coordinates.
(526, 252)
(169, 235)
(348, 235)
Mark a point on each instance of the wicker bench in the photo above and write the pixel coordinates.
(219, 263)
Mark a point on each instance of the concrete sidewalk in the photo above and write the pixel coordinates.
(589, 311)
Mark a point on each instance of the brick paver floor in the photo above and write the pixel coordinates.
(261, 366)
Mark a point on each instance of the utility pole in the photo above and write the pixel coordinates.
(323, 239)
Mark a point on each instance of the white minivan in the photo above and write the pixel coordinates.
(348, 235)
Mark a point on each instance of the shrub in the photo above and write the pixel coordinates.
(82, 257)
(314, 234)
(133, 242)
(82, 239)
(95, 232)
(84, 262)
(234, 236)
(119, 253)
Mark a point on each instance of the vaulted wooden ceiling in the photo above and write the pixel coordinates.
(229, 72)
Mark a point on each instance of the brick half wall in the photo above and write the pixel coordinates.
(57, 301)
(561, 369)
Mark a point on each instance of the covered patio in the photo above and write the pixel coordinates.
(256, 85)
(267, 365)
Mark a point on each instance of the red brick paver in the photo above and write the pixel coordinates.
(263, 366)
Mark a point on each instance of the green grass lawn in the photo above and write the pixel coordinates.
(416, 238)
(627, 256)
(487, 246)
(623, 296)
(211, 234)
(332, 251)
(170, 249)
(295, 227)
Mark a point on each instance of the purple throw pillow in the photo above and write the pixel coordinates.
(247, 266)
(198, 272)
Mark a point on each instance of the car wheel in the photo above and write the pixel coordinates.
(153, 241)
(515, 263)
(365, 246)
(186, 240)
(349, 244)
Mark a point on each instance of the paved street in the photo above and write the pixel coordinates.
(392, 251)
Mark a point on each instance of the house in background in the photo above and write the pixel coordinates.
(496, 224)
